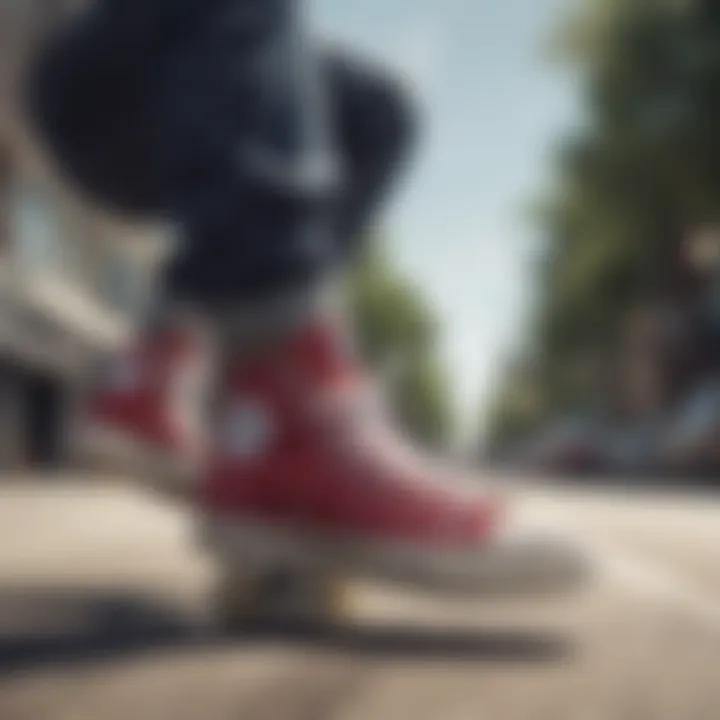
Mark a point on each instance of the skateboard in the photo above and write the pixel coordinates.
(279, 575)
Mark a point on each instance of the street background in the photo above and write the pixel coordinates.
(542, 302)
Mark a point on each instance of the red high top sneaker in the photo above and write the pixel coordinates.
(143, 416)
(304, 474)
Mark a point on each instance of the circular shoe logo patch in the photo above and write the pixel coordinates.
(248, 429)
(121, 375)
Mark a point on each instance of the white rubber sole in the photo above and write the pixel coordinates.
(107, 449)
(511, 565)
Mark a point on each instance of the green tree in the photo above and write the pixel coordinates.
(398, 336)
(639, 178)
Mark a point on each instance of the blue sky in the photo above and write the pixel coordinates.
(493, 107)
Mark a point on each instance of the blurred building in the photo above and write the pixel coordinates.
(671, 345)
(71, 278)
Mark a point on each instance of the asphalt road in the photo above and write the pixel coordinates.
(104, 614)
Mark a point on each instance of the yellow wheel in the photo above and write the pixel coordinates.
(281, 597)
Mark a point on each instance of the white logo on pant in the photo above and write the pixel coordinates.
(248, 429)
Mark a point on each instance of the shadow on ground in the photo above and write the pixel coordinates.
(49, 627)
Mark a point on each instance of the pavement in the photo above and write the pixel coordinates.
(104, 613)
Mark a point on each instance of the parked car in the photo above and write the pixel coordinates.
(634, 451)
(570, 447)
(691, 442)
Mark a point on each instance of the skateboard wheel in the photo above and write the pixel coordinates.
(281, 596)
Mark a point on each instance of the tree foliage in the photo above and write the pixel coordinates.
(628, 189)
(398, 336)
